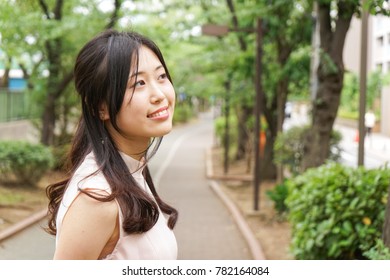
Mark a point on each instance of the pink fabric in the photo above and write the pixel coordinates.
(159, 243)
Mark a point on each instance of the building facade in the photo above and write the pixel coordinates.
(378, 57)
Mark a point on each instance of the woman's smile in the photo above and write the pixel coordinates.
(160, 114)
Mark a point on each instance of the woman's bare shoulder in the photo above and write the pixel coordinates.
(86, 228)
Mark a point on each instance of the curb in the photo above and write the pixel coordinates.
(254, 246)
(12, 230)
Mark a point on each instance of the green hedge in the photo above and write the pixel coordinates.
(23, 162)
(337, 212)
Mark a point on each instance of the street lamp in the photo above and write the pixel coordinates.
(218, 31)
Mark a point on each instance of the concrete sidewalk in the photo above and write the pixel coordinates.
(19, 130)
(208, 227)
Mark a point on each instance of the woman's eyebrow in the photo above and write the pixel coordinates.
(143, 72)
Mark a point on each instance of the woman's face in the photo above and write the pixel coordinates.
(148, 105)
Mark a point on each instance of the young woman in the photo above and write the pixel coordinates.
(109, 208)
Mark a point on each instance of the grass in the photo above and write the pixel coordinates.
(18, 202)
(14, 196)
(9, 197)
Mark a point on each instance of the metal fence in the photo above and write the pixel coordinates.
(15, 105)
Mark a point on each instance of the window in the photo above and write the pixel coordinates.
(380, 41)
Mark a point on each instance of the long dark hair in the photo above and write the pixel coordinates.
(101, 73)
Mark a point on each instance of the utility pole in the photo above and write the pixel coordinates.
(363, 83)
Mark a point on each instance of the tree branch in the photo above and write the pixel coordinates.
(346, 10)
(58, 10)
(232, 10)
(63, 84)
(114, 15)
(206, 14)
(326, 34)
(45, 9)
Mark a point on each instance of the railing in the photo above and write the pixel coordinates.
(15, 105)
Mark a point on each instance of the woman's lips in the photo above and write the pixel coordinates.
(159, 114)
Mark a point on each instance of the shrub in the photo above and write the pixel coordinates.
(279, 195)
(23, 162)
(378, 252)
(289, 147)
(336, 212)
(219, 128)
(183, 113)
(60, 153)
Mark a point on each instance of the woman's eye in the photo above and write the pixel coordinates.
(163, 76)
(139, 83)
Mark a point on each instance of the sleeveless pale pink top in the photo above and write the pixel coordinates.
(159, 243)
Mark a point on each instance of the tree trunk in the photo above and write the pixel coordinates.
(275, 121)
(324, 114)
(53, 49)
(269, 168)
(243, 133)
(244, 112)
(57, 82)
(4, 82)
(281, 99)
(48, 121)
(330, 78)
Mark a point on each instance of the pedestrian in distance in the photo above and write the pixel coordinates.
(369, 121)
(109, 208)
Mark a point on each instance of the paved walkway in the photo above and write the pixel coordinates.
(205, 229)
(18, 130)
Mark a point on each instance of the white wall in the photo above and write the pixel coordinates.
(385, 112)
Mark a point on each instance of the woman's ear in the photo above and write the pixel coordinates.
(103, 112)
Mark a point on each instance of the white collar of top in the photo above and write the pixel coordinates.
(136, 167)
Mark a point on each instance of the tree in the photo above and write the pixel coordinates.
(287, 32)
(59, 79)
(49, 33)
(245, 110)
(230, 61)
(334, 19)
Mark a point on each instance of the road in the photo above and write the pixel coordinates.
(205, 229)
(377, 146)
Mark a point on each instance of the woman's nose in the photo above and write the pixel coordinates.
(157, 94)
